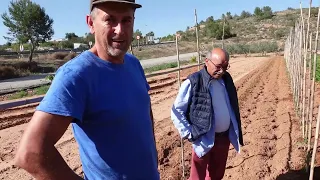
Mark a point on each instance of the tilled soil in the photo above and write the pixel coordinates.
(270, 127)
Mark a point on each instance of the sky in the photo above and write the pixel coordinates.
(162, 17)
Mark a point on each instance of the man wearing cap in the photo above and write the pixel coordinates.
(206, 112)
(103, 93)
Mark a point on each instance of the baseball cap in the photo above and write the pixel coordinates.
(131, 2)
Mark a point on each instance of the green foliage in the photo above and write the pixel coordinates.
(263, 13)
(280, 33)
(89, 37)
(245, 14)
(258, 12)
(229, 16)
(151, 33)
(164, 66)
(41, 90)
(161, 67)
(259, 47)
(210, 19)
(317, 69)
(70, 36)
(37, 91)
(18, 95)
(169, 37)
(193, 59)
(27, 21)
(314, 12)
(66, 44)
(50, 77)
(215, 30)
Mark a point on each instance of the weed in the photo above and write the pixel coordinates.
(19, 95)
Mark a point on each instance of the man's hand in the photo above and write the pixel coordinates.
(36, 153)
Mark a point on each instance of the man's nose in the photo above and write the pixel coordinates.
(118, 29)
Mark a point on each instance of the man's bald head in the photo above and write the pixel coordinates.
(218, 53)
(217, 62)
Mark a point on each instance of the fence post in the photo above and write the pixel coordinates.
(224, 23)
(197, 36)
(181, 140)
(178, 60)
(315, 145)
(309, 88)
(304, 105)
(313, 82)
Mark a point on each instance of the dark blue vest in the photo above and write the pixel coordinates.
(200, 111)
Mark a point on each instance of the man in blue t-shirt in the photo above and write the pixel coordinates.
(103, 93)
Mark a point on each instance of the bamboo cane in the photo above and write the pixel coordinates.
(313, 83)
(315, 145)
(181, 140)
(197, 36)
(301, 67)
(309, 88)
(305, 78)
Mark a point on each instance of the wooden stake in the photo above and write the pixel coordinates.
(197, 36)
(315, 145)
(313, 83)
(309, 87)
(178, 60)
(224, 23)
(179, 83)
(305, 76)
(301, 65)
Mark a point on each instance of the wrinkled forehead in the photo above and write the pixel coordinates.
(219, 59)
(115, 9)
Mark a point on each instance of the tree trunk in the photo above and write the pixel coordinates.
(31, 52)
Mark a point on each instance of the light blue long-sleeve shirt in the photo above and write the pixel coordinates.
(178, 115)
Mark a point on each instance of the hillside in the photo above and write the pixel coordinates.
(247, 30)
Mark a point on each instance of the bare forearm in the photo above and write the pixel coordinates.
(47, 165)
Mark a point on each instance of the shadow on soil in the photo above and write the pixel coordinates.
(299, 175)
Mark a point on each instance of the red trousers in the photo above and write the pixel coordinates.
(212, 165)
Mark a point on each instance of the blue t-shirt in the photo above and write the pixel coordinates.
(111, 110)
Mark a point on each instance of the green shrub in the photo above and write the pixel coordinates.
(193, 59)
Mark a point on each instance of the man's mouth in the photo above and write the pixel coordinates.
(118, 40)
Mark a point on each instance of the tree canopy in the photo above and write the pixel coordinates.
(27, 22)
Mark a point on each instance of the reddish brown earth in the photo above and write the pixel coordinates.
(271, 129)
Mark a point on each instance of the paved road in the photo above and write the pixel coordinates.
(36, 80)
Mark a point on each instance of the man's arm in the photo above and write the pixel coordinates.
(63, 103)
(179, 110)
(37, 154)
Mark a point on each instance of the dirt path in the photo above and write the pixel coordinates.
(267, 118)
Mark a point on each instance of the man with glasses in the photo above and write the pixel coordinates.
(206, 112)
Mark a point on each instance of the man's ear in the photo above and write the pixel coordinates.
(90, 24)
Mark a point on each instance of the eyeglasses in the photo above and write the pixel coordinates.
(219, 66)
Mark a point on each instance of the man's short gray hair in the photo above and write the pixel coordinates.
(94, 12)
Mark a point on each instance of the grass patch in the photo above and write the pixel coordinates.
(35, 92)
(18, 95)
(41, 90)
(317, 69)
(164, 66)
(161, 67)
